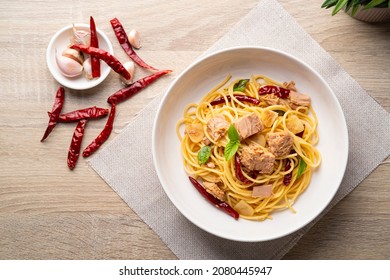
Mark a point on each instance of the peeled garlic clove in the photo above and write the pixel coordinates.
(134, 39)
(68, 67)
(195, 132)
(130, 67)
(88, 68)
(81, 37)
(74, 54)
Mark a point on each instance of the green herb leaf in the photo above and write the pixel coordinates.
(233, 134)
(230, 149)
(240, 85)
(301, 167)
(232, 146)
(204, 154)
(374, 3)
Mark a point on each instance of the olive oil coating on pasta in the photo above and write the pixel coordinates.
(276, 115)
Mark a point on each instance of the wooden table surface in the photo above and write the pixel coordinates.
(50, 212)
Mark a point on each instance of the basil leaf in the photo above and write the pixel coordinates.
(204, 154)
(233, 134)
(240, 85)
(232, 146)
(301, 167)
(230, 149)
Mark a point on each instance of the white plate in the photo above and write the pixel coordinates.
(60, 41)
(242, 62)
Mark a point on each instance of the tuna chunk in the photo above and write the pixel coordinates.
(256, 159)
(290, 85)
(248, 125)
(298, 99)
(214, 190)
(280, 143)
(217, 127)
(263, 191)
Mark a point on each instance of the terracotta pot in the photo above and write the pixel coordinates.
(372, 15)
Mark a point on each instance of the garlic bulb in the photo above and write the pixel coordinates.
(130, 67)
(68, 66)
(74, 54)
(134, 39)
(87, 68)
(80, 37)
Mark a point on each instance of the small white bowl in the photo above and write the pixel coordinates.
(59, 42)
(190, 87)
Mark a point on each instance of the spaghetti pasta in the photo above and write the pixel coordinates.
(274, 156)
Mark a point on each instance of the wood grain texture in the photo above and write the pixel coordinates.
(50, 212)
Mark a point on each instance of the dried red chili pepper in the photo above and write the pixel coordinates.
(121, 35)
(240, 176)
(95, 62)
(108, 58)
(75, 144)
(87, 113)
(287, 178)
(103, 136)
(55, 112)
(300, 134)
(239, 97)
(125, 93)
(215, 201)
(278, 91)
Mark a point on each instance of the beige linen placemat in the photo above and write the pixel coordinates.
(126, 163)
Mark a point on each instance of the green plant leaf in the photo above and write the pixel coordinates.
(301, 167)
(354, 10)
(374, 3)
(240, 85)
(350, 4)
(340, 4)
(230, 149)
(233, 134)
(204, 154)
(329, 3)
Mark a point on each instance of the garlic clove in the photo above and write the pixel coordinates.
(80, 37)
(68, 67)
(130, 67)
(88, 68)
(134, 39)
(74, 54)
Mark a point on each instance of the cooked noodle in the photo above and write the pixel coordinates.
(223, 173)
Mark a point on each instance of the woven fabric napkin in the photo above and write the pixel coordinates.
(126, 163)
